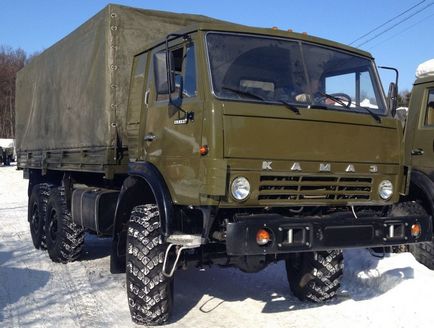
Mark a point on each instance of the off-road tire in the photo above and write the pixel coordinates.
(150, 293)
(64, 238)
(315, 276)
(36, 211)
(423, 252)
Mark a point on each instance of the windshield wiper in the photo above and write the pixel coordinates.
(375, 116)
(340, 102)
(255, 96)
(335, 99)
(318, 106)
(288, 105)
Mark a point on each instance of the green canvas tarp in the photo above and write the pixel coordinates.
(74, 95)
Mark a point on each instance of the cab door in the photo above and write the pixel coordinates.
(422, 151)
(137, 109)
(173, 129)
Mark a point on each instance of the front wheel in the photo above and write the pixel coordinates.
(150, 293)
(315, 276)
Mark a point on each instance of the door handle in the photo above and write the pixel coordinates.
(150, 137)
(146, 97)
(417, 151)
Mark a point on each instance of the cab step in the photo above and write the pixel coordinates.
(181, 242)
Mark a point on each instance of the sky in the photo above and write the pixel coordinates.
(34, 25)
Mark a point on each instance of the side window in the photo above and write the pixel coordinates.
(429, 116)
(184, 71)
(190, 89)
(137, 88)
(177, 57)
(367, 95)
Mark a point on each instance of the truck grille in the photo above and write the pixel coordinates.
(314, 188)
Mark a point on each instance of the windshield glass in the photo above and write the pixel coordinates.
(252, 68)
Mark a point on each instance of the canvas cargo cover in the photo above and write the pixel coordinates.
(74, 95)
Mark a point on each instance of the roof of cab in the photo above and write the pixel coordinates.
(271, 32)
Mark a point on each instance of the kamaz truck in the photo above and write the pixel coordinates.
(419, 151)
(193, 142)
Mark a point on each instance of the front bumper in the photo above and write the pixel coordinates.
(321, 233)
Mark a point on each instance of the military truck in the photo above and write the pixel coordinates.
(214, 143)
(7, 151)
(6, 155)
(419, 142)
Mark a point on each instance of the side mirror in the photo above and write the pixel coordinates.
(160, 73)
(392, 98)
(179, 85)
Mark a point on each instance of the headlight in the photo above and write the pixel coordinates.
(385, 189)
(240, 188)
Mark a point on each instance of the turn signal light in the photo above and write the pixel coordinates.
(416, 230)
(203, 150)
(263, 237)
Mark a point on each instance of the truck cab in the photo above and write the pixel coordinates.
(273, 145)
(264, 106)
(419, 150)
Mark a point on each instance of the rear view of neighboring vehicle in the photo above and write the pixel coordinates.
(419, 151)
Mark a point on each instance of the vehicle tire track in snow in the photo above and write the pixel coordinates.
(82, 302)
(17, 246)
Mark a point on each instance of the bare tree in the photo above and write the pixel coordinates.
(11, 61)
(404, 98)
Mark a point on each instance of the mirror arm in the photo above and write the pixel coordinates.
(396, 72)
(396, 85)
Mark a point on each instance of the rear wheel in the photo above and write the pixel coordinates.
(36, 214)
(423, 252)
(150, 293)
(64, 238)
(315, 276)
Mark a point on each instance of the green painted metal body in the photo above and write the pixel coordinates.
(240, 136)
(419, 133)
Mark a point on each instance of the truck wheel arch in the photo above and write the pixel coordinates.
(422, 189)
(145, 184)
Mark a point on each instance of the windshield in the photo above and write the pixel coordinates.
(252, 68)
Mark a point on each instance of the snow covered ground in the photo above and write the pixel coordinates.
(392, 292)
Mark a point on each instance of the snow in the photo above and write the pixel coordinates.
(367, 103)
(425, 69)
(7, 143)
(395, 291)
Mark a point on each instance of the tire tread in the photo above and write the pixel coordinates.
(149, 291)
(315, 276)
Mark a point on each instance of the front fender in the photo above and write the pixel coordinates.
(144, 185)
(155, 180)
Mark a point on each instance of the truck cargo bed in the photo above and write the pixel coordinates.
(71, 100)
